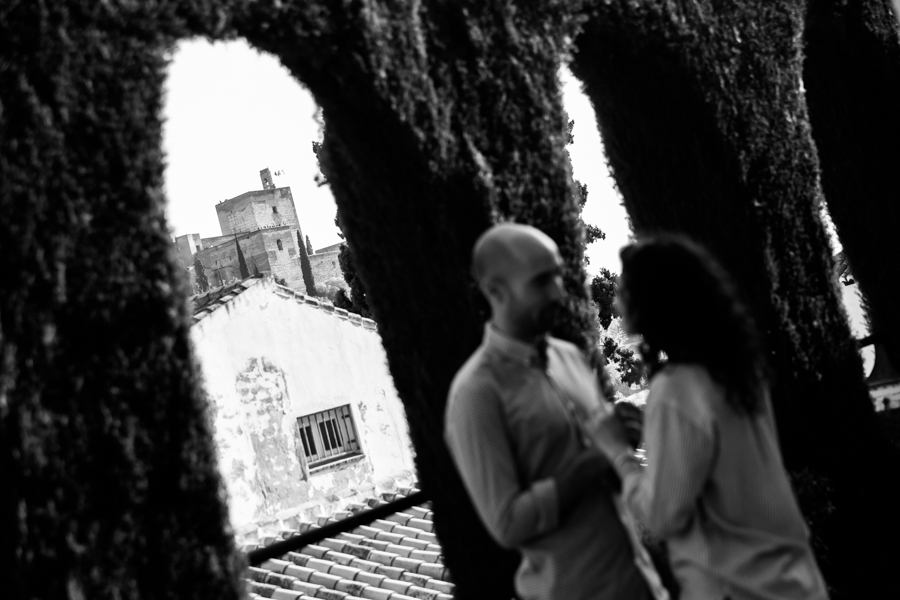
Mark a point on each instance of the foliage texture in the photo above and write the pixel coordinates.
(200, 275)
(429, 110)
(852, 79)
(355, 301)
(110, 483)
(243, 270)
(309, 280)
(442, 118)
(706, 130)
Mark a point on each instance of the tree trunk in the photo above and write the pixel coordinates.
(439, 122)
(110, 487)
(852, 79)
(706, 131)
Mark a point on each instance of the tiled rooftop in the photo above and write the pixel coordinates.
(398, 558)
(208, 302)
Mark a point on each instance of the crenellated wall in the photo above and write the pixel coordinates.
(254, 210)
(270, 356)
(326, 269)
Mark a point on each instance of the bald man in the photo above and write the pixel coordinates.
(511, 430)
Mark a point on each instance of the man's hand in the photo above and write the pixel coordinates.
(632, 419)
(608, 434)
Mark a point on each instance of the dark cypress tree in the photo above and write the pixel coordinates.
(454, 121)
(309, 280)
(110, 485)
(242, 262)
(852, 79)
(200, 275)
(706, 131)
(356, 301)
(309, 247)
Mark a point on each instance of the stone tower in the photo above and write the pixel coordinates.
(268, 182)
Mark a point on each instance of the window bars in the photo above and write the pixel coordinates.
(328, 434)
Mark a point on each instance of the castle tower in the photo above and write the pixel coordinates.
(268, 182)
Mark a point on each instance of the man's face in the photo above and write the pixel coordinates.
(535, 292)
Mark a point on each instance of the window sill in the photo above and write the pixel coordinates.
(335, 462)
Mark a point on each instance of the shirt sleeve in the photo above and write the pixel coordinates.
(680, 454)
(513, 513)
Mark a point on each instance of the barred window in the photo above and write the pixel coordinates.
(328, 436)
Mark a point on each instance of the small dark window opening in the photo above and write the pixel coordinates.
(280, 247)
(328, 436)
(275, 210)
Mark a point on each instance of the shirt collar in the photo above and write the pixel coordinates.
(508, 346)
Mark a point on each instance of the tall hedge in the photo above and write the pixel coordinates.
(108, 480)
(706, 130)
(852, 78)
(441, 118)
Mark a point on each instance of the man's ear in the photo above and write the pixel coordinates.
(493, 289)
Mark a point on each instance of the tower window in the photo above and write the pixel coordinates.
(278, 242)
(275, 210)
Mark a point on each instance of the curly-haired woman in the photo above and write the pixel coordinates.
(715, 487)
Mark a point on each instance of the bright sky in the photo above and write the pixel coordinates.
(231, 111)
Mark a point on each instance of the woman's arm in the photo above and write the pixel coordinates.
(680, 452)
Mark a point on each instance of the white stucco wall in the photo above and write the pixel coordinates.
(858, 325)
(269, 359)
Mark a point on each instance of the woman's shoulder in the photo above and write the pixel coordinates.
(687, 387)
(684, 374)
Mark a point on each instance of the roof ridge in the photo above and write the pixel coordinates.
(206, 303)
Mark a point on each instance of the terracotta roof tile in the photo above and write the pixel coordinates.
(370, 563)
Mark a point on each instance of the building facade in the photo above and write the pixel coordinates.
(302, 405)
(265, 225)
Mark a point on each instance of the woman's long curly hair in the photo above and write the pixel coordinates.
(684, 304)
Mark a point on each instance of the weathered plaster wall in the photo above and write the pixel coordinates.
(284, 263)
(212, 242)
(253, 210)
(858, 325)
(186, 246)
(221, 262)
(327, 269)
(268, 359)
(260, 248)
